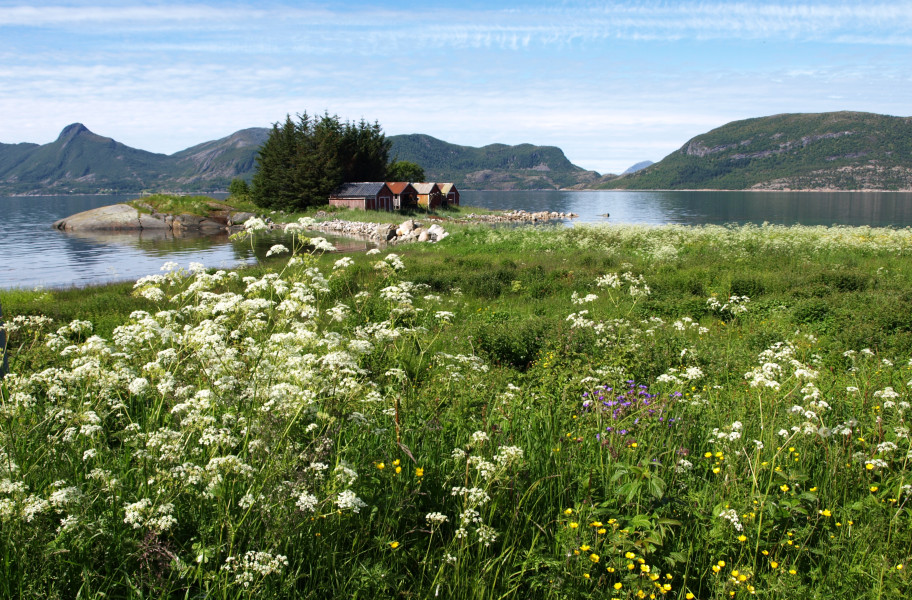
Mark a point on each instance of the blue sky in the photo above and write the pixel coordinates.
(611, 83)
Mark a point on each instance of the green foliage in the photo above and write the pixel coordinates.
(403, 170)
(239, 189)
(566, 432)
(303, 161)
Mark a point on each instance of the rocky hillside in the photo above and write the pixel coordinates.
(80, 161)
(838, 151)
(492, 167)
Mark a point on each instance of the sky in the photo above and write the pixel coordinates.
(610, 83)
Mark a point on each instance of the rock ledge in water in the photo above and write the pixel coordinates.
(123, 217)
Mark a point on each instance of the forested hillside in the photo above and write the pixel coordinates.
(496, 166)
(841, 150)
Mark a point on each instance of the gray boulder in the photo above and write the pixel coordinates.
(117, 217)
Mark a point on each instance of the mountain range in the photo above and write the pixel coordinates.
(822, 151)
(80, 161)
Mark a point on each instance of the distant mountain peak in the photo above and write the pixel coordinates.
(638, 167)
(71, 131)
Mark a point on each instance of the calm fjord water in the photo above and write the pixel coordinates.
(32, 254)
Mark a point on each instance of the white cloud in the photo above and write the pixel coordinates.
(861, 23)
(591, 78)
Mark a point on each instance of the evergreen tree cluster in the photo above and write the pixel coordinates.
(303, 161)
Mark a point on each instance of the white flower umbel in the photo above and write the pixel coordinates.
(276, 249)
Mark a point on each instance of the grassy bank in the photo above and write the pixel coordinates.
(618, 412)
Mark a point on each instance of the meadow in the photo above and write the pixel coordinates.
(531, 412)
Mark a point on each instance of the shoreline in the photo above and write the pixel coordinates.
(786, 190)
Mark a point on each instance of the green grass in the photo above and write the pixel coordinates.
(327, 212)
(192, 205)
(228, 416)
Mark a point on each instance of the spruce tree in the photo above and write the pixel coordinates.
(300, 164)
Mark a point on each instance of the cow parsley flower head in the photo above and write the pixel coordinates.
(255, 224)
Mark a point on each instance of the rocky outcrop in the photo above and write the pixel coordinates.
(407, 231)
(117, 217)
(521, 216)
(123, 217)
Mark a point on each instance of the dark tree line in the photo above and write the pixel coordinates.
(303, 161)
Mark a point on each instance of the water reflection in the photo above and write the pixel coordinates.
(33, 254)
(875, 209)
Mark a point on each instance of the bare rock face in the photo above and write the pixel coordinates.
(239, 218)
(187, 222)
(117, 217)
(150, 222)
(123, 217)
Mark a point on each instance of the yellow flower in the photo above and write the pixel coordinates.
(708, 455)
(595, 524)
(629, 555)
(793, 572)
(721, 563)
(574, 525)
(814, 489)
(594, 557)
(396, 462)
(633, 445)
(774, 564)
(602, 531)
(586, 575)
(716, 470)
(825, 512)
(394, 545)
(584, 547)
(644, 568)
(419, 472)
(630, 566)
(381, 466)
(784, 487)
(568, 512)
(689, 596)
(873, 488)
(869, 467)
(611, 569)
(742, 538)
(716, 568)
(618, 585)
